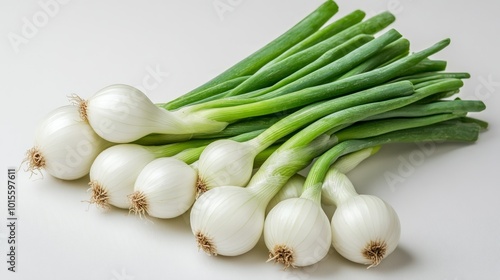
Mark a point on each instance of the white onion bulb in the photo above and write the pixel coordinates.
(121, 114)
(227, 220)
(225, 163)
(114, 172)
(297, 232)
(365, 229)
(165, 188)
(65, 146)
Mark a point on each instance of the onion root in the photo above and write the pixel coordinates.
(139, 203)
(201, 187)
(35, 160)
(282, 254)
(82, 105)
(374, 252)
(99, 195)
(205, 244)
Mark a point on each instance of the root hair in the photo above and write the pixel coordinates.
(374, 252)
(205, 244)
(35, 161)
(282, 254)
(201, 187)
(139, 203)
(82, 105)
(99, 195)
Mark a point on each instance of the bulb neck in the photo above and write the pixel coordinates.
(285, 162)
(313, 193)
(256, 144)
(337, 188)
(265, 186)
(184, 122)
(348, 162)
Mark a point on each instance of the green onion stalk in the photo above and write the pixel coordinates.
(230, 163)
(122, 114)
(248, 66)
(229, 220)
(227, 162)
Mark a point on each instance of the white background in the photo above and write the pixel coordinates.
(448, 202)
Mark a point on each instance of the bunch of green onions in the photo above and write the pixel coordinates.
(323, 95)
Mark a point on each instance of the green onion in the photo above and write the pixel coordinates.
(370, 26)
(238, 158)
(304, 217)
(317, 93)
(390, 53)
(255, 61)
(324, 96)
(216, 90)
(450, 131)
(293, 60)
(439, 107)
(426, 65)
(324, 33)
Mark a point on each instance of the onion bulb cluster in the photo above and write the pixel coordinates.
(229, 153)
